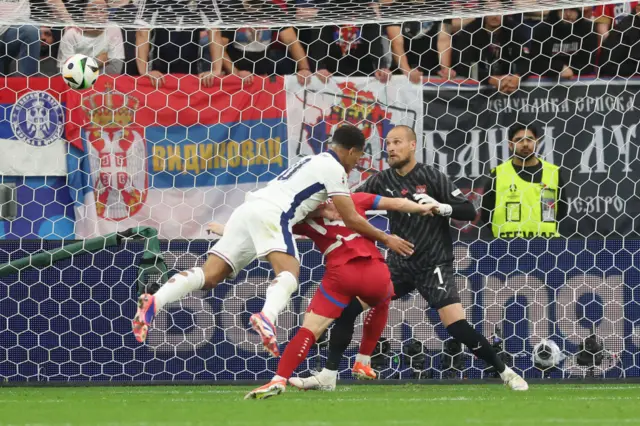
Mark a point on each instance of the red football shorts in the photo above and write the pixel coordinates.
(362, 277)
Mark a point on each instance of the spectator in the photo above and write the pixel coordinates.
(608, 16)
(19, 42)
(104, 44)
(564, 45)
(449, 57)
(247, 52)
(495, 49)
(523, 196)
(349, 50)
(414, 47)
(49, 48)
(620, 53)
(164, 50)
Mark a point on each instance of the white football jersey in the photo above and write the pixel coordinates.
(301, 188)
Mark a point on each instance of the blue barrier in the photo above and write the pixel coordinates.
(71, 322)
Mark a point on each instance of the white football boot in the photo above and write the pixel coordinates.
(513, 381)
(322, 381)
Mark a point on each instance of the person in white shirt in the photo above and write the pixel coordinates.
(20, 42)
(106, 45)
(262, 228)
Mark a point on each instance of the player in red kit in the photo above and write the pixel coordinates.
(354, 268)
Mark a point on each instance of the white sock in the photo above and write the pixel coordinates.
(279, 294)
(278, 378)
(364, 359)
(179, 286)
(330, 374)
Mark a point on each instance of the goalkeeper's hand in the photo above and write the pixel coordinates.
(441, 209)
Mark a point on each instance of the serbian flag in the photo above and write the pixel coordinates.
(32, 124)
(173, 158)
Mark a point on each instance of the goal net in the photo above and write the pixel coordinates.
(200, 102)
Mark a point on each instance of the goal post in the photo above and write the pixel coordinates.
(138, 165)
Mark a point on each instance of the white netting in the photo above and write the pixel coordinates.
(173, 136)
(266, 13)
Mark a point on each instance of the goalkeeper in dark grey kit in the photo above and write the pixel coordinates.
(429, 270)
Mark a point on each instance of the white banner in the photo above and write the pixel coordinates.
(315, 110)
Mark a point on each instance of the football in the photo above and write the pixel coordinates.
(80, 71)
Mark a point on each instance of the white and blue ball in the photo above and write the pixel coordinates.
(80, 71)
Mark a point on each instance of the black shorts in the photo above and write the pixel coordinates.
(437, 284)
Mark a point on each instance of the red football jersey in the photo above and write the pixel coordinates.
(338, 243)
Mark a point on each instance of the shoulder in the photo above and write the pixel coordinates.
(432, 173)
(71, 33)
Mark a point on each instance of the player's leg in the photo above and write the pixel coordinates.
(230, 254)
(342, 331)
(439, 288)
(324, 308)
(286, 269)
(273, 241)
(372, 329)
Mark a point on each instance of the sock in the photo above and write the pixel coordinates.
(296, 352)
(341, 334)
(179, 286)
(363, 359)
(374, 324)
(279, 294)
(506, 373)
(477, 343)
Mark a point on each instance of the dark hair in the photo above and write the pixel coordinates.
(521, 127)
(348, 136)
(408, 130)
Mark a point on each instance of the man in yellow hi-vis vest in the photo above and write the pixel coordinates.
(523, 198)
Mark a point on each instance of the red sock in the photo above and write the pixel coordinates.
(374, 324)
(296, 352)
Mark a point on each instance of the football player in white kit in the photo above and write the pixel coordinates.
(261, 228)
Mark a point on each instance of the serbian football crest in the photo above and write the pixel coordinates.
(118, 154)
(357, 107)
(37, 119)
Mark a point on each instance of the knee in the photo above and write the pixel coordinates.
(29, 34)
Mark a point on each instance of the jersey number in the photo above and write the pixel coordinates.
(293, 169)
(438, 272)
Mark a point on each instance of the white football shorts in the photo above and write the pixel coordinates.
(254, 230)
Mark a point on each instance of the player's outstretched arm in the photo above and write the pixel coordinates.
(353, 220)
(407, 206)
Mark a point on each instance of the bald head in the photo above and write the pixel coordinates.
(401, 146)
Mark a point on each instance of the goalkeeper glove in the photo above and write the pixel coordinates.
(442, 210)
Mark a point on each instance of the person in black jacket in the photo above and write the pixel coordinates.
(498, 50)
(564, 45)
(620, 54)
(349, 50)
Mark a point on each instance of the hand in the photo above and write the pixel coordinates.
(215, 228)
(447, 73)
(436, 207)
(303, 76)
(323, 75)
(400, 246)
(414, 75)
(383, 75)
(207, 77)
(246, 76)
(429, 209)
(102, 59)
(156, 78)
(566, 72)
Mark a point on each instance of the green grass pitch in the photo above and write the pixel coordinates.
(367, 405)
